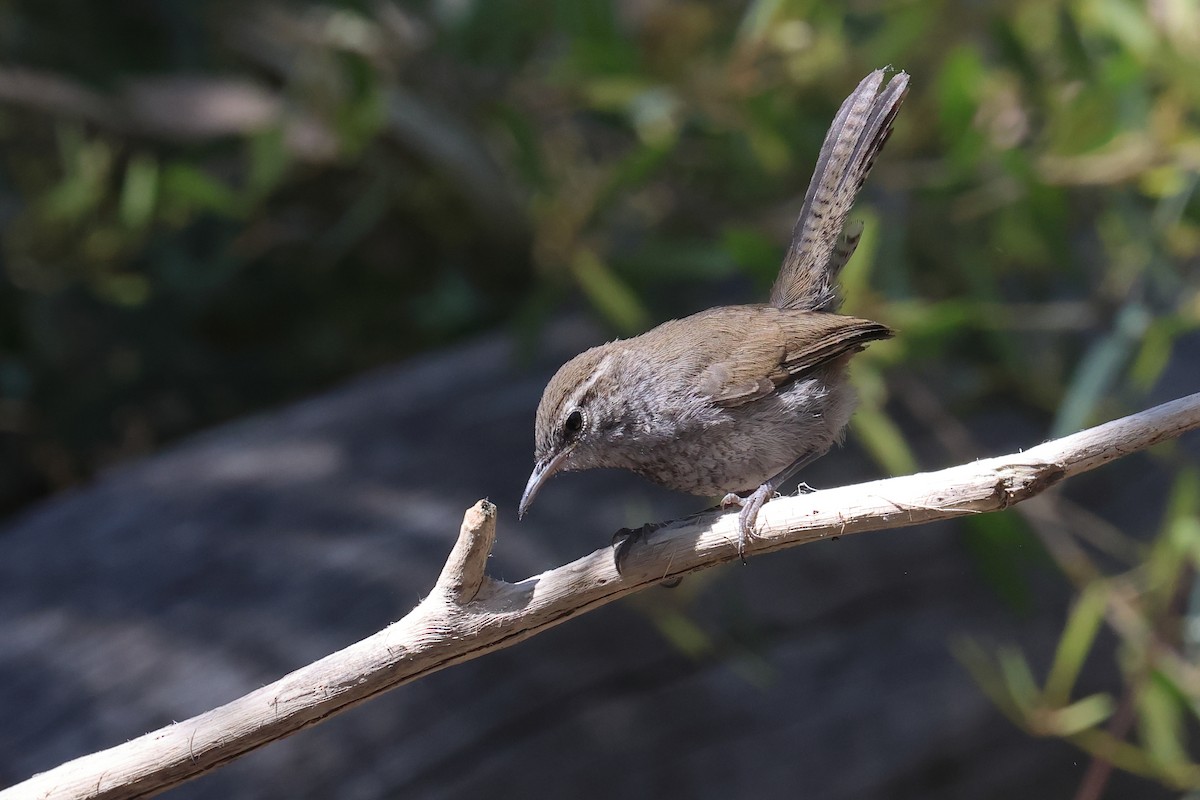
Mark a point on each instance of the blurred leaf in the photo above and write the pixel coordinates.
(1161, 724)
(1018, 679)
(597, 44)
(657, 261)
(632, 170)
(1002, 548)
(683, 633)
(139, 195)
(527, 153)
(614, 92)
(1183, 507)
(124, 290)
(364, 110)
(901, 29)
(769, 149)
(758, 19)
(189, 187)
(875, 430)
(268, 162)
(1079, 716)
(86, 165)
(357, 221)
(929, 328)
(856, 275)
(448, 306)
(1075, 644)
(1033, 29)
(1102, 744)
(607, 293)
(1099, 369)
(751, 250)
(959, 83)
(1155, 350)
(991, 682)
(1123, 20)
(1085, 122)
(1178, 547)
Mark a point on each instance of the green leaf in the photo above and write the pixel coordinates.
(1160, 723)
(1075, 643)
(86, 165)
(1018, 677)
(194, 189)
(1177, 546)
(633, 170)
(613, 92)
(960, 83)
(659, 260)
(608, 293)
(683, 634)
(1099, 370)
(856, 275)
(987, 677)
(1102, 744)
(1154, 352)
(876, 432)
(1082, 715)
(139, 193)
(129, 290)
(750, 249)
(268, 162)
(1001, 546)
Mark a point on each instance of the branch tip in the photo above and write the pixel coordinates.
(465, 569)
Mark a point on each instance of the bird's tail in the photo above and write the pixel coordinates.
(820, 246)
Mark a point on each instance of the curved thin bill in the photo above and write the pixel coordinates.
(542, 472)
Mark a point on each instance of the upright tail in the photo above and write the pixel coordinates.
(820, 247)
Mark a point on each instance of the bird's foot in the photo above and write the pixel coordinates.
(751, 504)
(625, 538)
(804, 488)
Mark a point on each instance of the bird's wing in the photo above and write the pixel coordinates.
(782, 348)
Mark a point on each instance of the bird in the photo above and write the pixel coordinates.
(733, 401)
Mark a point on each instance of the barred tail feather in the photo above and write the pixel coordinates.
(819, 248)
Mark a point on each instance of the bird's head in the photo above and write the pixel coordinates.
(575, 418)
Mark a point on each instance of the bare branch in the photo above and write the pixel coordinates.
(469, 614)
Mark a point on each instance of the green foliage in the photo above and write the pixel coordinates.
(1143, 606)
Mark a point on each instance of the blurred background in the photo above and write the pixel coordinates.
(211, 209)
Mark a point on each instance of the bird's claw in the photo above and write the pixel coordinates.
(750, 505)
(624, 539)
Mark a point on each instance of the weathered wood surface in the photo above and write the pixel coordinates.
(187, 580)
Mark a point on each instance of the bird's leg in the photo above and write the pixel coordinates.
(752, 503)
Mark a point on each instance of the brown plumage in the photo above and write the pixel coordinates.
(736, 398)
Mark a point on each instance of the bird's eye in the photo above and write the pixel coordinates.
(574, 423)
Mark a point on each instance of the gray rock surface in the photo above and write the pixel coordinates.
(181, 582)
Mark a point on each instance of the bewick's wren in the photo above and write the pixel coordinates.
(735, 399)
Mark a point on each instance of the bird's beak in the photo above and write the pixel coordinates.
(542, 472)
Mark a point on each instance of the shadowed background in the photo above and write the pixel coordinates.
(212, 210)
